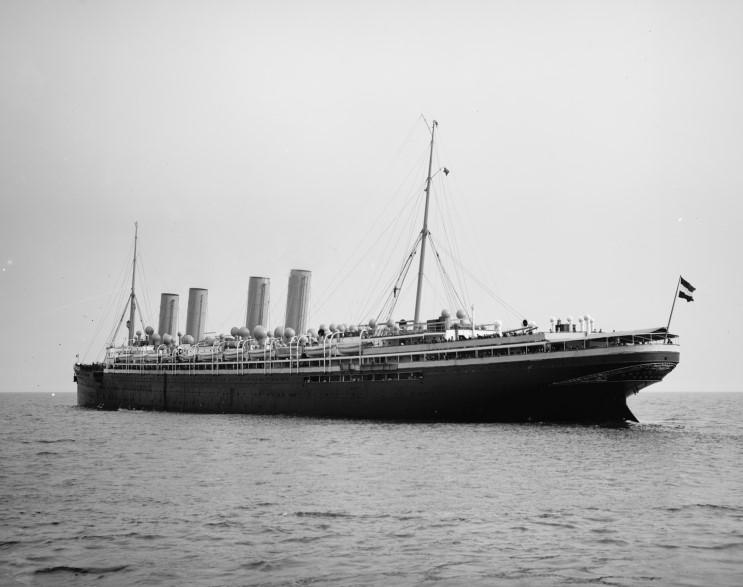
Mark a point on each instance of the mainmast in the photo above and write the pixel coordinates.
(424, 233)
(132, 297)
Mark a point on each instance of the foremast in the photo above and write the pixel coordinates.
(131, 301)
(132, 297)
(424, 232)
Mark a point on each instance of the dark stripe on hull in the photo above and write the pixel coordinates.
(577, 389)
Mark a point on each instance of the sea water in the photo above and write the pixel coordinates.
(142, 498)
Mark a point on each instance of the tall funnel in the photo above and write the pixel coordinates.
(196, 315)
(298, 300)
(168, 314)
(259, 289)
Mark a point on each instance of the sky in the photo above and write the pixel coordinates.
(595, 150)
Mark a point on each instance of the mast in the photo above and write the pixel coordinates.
(132, 298)
(673, 305)
(424, 232)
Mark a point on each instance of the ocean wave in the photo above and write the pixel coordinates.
(718, 506)
(715, 507)
(555, 524)
(612, 541)
(323, 515)
(80, 570)
(220, 524)
(722, 546)
(306, 539)
(119, 536)
(54, 441)
(260, 565)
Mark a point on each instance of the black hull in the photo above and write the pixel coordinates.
(576, 389)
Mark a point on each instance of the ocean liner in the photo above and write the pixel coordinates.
(448, 368)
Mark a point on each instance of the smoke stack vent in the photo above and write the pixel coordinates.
(259, 289)
(196, 314)
(168, 323)
(298, 300)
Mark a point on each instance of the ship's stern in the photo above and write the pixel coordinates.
(89, 379)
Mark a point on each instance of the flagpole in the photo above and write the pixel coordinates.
(673, 305)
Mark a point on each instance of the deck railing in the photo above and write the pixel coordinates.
(398, 357)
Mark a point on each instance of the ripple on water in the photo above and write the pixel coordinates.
(64, 569)
(145, 497)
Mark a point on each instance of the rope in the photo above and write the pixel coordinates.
(342, 274)
(450, 210)
(145, 298)
(394, 295)
(487, 290)
(225, 325)
(123, 297)
(446, 280)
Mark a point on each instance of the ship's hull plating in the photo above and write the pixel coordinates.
(573, 388)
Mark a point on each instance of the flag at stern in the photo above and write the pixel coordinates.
(685, 289)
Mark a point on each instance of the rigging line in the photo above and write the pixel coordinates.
(141, 319)
(113, 331)
(126, 297)
(411, 254)
(99, 324)
(462, 283)
(383, 311)
(394, 245)
(144, 299)
(144, 288)
(440, 200)
(116, 331)
(394, 296)
(403, 278)
(408, 137)
(369, 291)
(379, 301)
(456, 245)
(460, 303)
(342, 274)
(451, 302)
(387, 253)
(224, 324)
(390, 299)
(412, 221)
(447, 288)
(376, 221)
(442, 213)
(123, 293)
(412, 188)
(93, 339)
(114, 300)
(277, 309)
(450, 213)
(428, 126)
(487, 289)
(446, 206)
(446, 285)
(398, 217)
(445, 276)
(432, 288)
(369, 307)
(382, 296)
